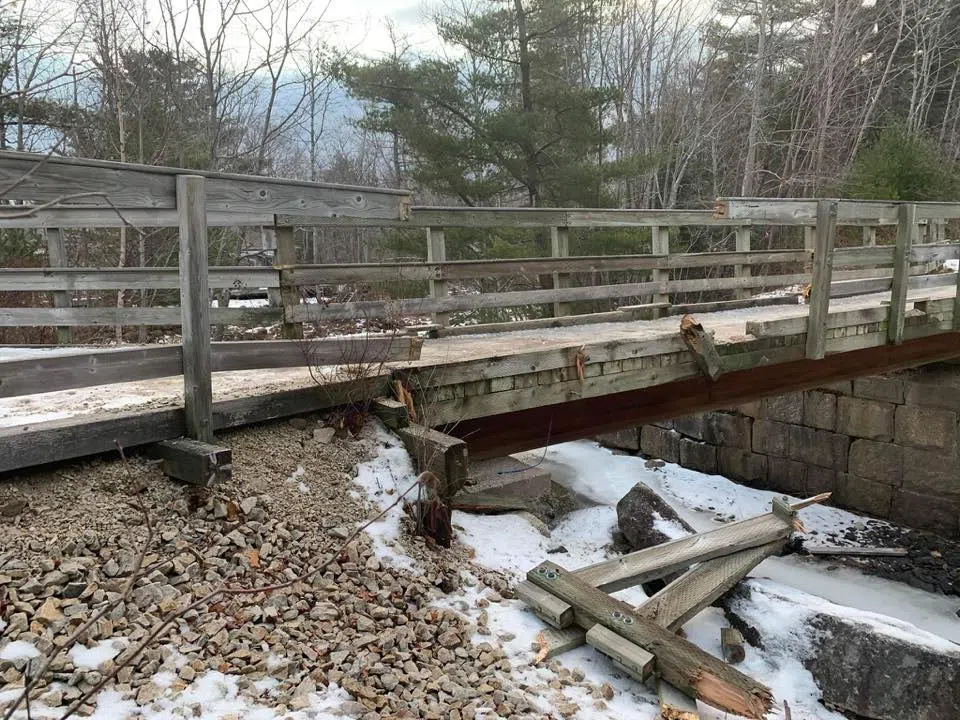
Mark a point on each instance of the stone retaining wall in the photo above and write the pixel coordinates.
(885, 446)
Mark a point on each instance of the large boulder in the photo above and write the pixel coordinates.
(867, 664)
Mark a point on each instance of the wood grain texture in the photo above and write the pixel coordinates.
(195, 308)
(67, 216)
(25, 279)
(57, 255)
(679, 661)
(171, 316)
(636, 661)
(437, 253)
(289, 295)
(822, 271)
(560, 248)
(783, 211)
(907, 223)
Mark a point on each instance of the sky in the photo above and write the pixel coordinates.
(363, 24)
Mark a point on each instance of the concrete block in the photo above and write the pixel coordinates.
(926, 428)
(820, 410)
(698, 456)
(865, 418)
(690, 426)
(742, 465)
(926, 471)
(786, 408)
(660, 443)
(787, 476)
(818, 447)
(728, 429)
(857, 493)
(926, 512)
(882, 462)
(937, 395)
(887, 389)
(509, 477)
(627, 439)
(842, 387)
(771, 438)
(820, 480)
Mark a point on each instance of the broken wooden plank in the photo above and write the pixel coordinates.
(866, 551)
(444, 456)
(194, 462)
(731, 642)
(392, 413)
(680, 662)
(632, 659)
(700, 343)
(674, 705)
(489, 503)
(551, 642)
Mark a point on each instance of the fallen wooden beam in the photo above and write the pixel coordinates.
(443, 455)
(194, 462)
(866, 551)
(632, 659)
(680, 662)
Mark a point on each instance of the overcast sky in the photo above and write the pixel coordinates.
(362, 24)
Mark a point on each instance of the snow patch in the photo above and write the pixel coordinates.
(89, 658)
(18, 649)
(671, 528)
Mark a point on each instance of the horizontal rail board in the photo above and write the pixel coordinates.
(777, 211)
(123, 185)
(80, 316)
(52, 373)
(63, 216)
(48, 279)
(849, 288)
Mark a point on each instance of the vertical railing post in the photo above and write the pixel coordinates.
(195, 307)
(57, 254)
(742, 271)
(437, 253)
(560, 248)
(906, 228)
(869, 236)
(826, 234)
(289, 295)
(660, 245)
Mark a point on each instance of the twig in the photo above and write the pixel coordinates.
(229, 591)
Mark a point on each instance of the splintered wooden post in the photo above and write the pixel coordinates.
(700, 343)
(680, 662)
(742, 271)
(194, 462)
(392, 413)
(57, 254)
(195, 308)
(822, 274)
(444, 456)
(560, 247)
(731, 642)
(906, 227)
(289, 295)
(437, 253)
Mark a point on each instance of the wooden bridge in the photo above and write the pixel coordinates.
(501, 386)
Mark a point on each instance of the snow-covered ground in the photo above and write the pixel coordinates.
(793, 588)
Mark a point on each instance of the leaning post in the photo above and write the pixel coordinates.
(906, 228)
(560, 248)
(437, 253)
(57, 254)
(826, 234)
(742, 271)
(195, 307)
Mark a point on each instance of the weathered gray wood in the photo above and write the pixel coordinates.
(425, 216)
(38, 317)
(647, 311)
(907, 214)
(437, 253)
(679, 661)
(57, 255)
(822, 271)
(66, 216)
(194, 462)
(636, 661)
(956, 303)
(515, 325)
(347, 350)
(560, 248)
(195, 308)
(662, 560)
(67, 279)
(869, 236)
(552, 641)
(393, 413)
(791, 326)
(23, 446)
(700, 343)
(125, 185)
(660, 245)
(849, 288)
(723, 305)
(743, 245)
(443, 455)
(784, 211)
(289, 296)
(865, 551)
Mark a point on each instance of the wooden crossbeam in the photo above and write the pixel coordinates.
(679, 662)
(194, 462)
